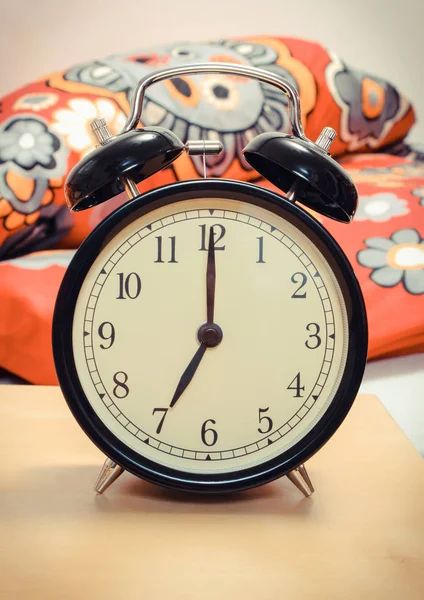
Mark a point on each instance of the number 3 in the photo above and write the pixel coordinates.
(316, 340)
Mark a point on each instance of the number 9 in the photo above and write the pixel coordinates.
(105, 336)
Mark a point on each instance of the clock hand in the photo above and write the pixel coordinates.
(188, 374)
(209, 334)
(210, 278)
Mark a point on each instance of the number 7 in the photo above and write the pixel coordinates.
(164, 410)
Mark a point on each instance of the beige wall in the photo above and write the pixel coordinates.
(382, 36)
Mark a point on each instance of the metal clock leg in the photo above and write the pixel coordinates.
(108, 474)
(300, 478)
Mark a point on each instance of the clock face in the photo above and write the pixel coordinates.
(176, 403)
(272, 377)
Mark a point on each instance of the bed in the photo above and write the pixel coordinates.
(44, 131)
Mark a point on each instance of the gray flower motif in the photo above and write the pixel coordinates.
(370, 105)
(380, 207)
(420, 193)
(27, 142)
(36, 101)
(42, 260)
(399, 258)
(99, 74)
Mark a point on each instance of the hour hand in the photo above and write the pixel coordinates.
(188, 374)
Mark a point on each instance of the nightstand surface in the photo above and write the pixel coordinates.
(360, 536)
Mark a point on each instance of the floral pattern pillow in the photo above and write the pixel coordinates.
(44, 132)
(384, 244)
(44, 126)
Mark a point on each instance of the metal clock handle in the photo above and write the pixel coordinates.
(217, 68)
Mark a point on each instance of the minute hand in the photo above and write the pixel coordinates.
(210, 279)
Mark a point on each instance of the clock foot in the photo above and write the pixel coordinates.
(300, 478)
(108, 474)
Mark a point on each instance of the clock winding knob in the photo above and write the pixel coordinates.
(326, 138)
(100, 129)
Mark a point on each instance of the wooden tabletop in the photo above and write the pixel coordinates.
(360, 536)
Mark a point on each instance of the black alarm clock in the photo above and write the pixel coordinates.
(210, 335)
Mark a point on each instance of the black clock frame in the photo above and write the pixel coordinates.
(126, 457)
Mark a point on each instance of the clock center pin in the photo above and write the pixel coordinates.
(210, 334)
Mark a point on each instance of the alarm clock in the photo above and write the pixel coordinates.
(210, 335)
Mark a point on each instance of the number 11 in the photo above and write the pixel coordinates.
(159, 258)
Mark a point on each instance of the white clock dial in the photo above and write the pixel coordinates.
(277, 368)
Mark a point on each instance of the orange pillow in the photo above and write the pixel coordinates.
(385, 244)
(44, 131)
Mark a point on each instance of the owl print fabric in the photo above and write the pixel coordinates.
(44, 132)
(44, 129)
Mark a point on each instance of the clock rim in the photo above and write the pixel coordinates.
(155, 472)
